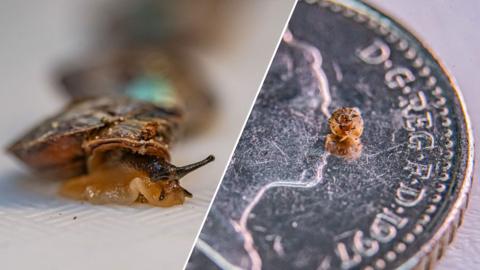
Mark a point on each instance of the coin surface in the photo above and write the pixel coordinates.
(286, 203)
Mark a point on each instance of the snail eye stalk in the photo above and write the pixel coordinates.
(159, 169)
(184, 170)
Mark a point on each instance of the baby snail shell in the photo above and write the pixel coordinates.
(346, 128)
(346, 123)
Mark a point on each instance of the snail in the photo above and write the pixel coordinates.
(112, 144)
(346, 128)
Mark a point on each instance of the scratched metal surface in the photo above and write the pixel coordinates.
(285, 203)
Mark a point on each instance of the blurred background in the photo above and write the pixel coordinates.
(226, 45)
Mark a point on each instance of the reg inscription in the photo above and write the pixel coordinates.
(411, 191)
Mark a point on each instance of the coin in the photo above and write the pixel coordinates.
(286, 203)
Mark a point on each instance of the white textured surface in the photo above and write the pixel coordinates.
(451, 28)
(39, 230)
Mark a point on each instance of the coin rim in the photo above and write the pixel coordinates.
(431, 251)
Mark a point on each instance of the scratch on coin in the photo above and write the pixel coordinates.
(278, 148)
(297, 113)
(325, 264)
(214, 256)
(277, 246)
(343, 235)
(259, 228)
(338, 71)
(393, 136)
(384, 151)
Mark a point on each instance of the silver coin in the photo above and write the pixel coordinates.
(286, 203)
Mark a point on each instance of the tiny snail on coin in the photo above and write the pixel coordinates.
(346, 127)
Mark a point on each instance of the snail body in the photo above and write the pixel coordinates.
(114, 146)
